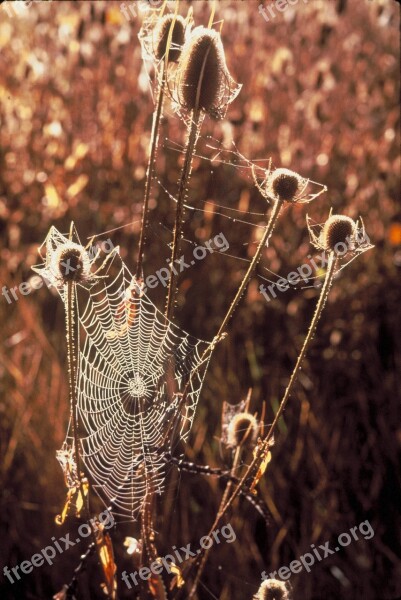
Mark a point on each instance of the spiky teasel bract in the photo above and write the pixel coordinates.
(340, 234)
(65, 260)
(272, 589)
(286, 185)
(242, 430)
(203, 81)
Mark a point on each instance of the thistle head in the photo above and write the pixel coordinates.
(70, 262)
(272, 589)
(242, 430)
(203, 79)
(161, 35)
(337, 230)
(341, 235)
(285, 185)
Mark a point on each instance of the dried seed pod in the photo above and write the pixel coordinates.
(338, 229)
(272, 589)
(286, 185)
(242, 429)
(161, 34)
(71, 263)
(203, 79)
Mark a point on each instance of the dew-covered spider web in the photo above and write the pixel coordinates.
(139, 377)
(133, 369)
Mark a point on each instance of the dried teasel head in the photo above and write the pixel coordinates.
(337, 230)
(285, 185)
(161, 35)
(71, 262)
(341, 235)
(203, 81)
(65, 260)
(272, 589)
(242, 430)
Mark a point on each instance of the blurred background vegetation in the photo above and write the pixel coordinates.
(320, 96)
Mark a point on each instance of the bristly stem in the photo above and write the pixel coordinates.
(151, 164)
(72, 371)
(182, 189)
(324, 292)
(72, 379)
(263, 242)
(255, 464)
(222, 504)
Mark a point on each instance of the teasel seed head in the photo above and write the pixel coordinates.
(242, 430)
(161, 35)
(338, 229)
(272, 589)
(71, 263)
(204, 80)
(286, 184)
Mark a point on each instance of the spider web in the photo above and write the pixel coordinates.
(139, 377)
(133, 369)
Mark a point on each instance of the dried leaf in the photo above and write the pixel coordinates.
(106, 555)
(266, 458)
(133, 545)
(75, 497)
(178, 580)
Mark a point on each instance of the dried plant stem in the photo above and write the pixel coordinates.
(72, 378)
(149, 551)
(263, 242)
(154, 138)
(255, 464)
(182, 189)
(309, 336)
(72, 371)
(227, 490)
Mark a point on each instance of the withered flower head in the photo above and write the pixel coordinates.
(203, 80)
(272, 589)
(338, 229)
(161, 35)
(65, 261)
(242, 430)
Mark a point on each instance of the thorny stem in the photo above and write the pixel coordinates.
(149, 173)
(265, 444)
(309, 336)
(70, 589)
(263, 242)
(182, 188)
(72, 377)
(72, 370)
(222, 504)
(149, 551)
